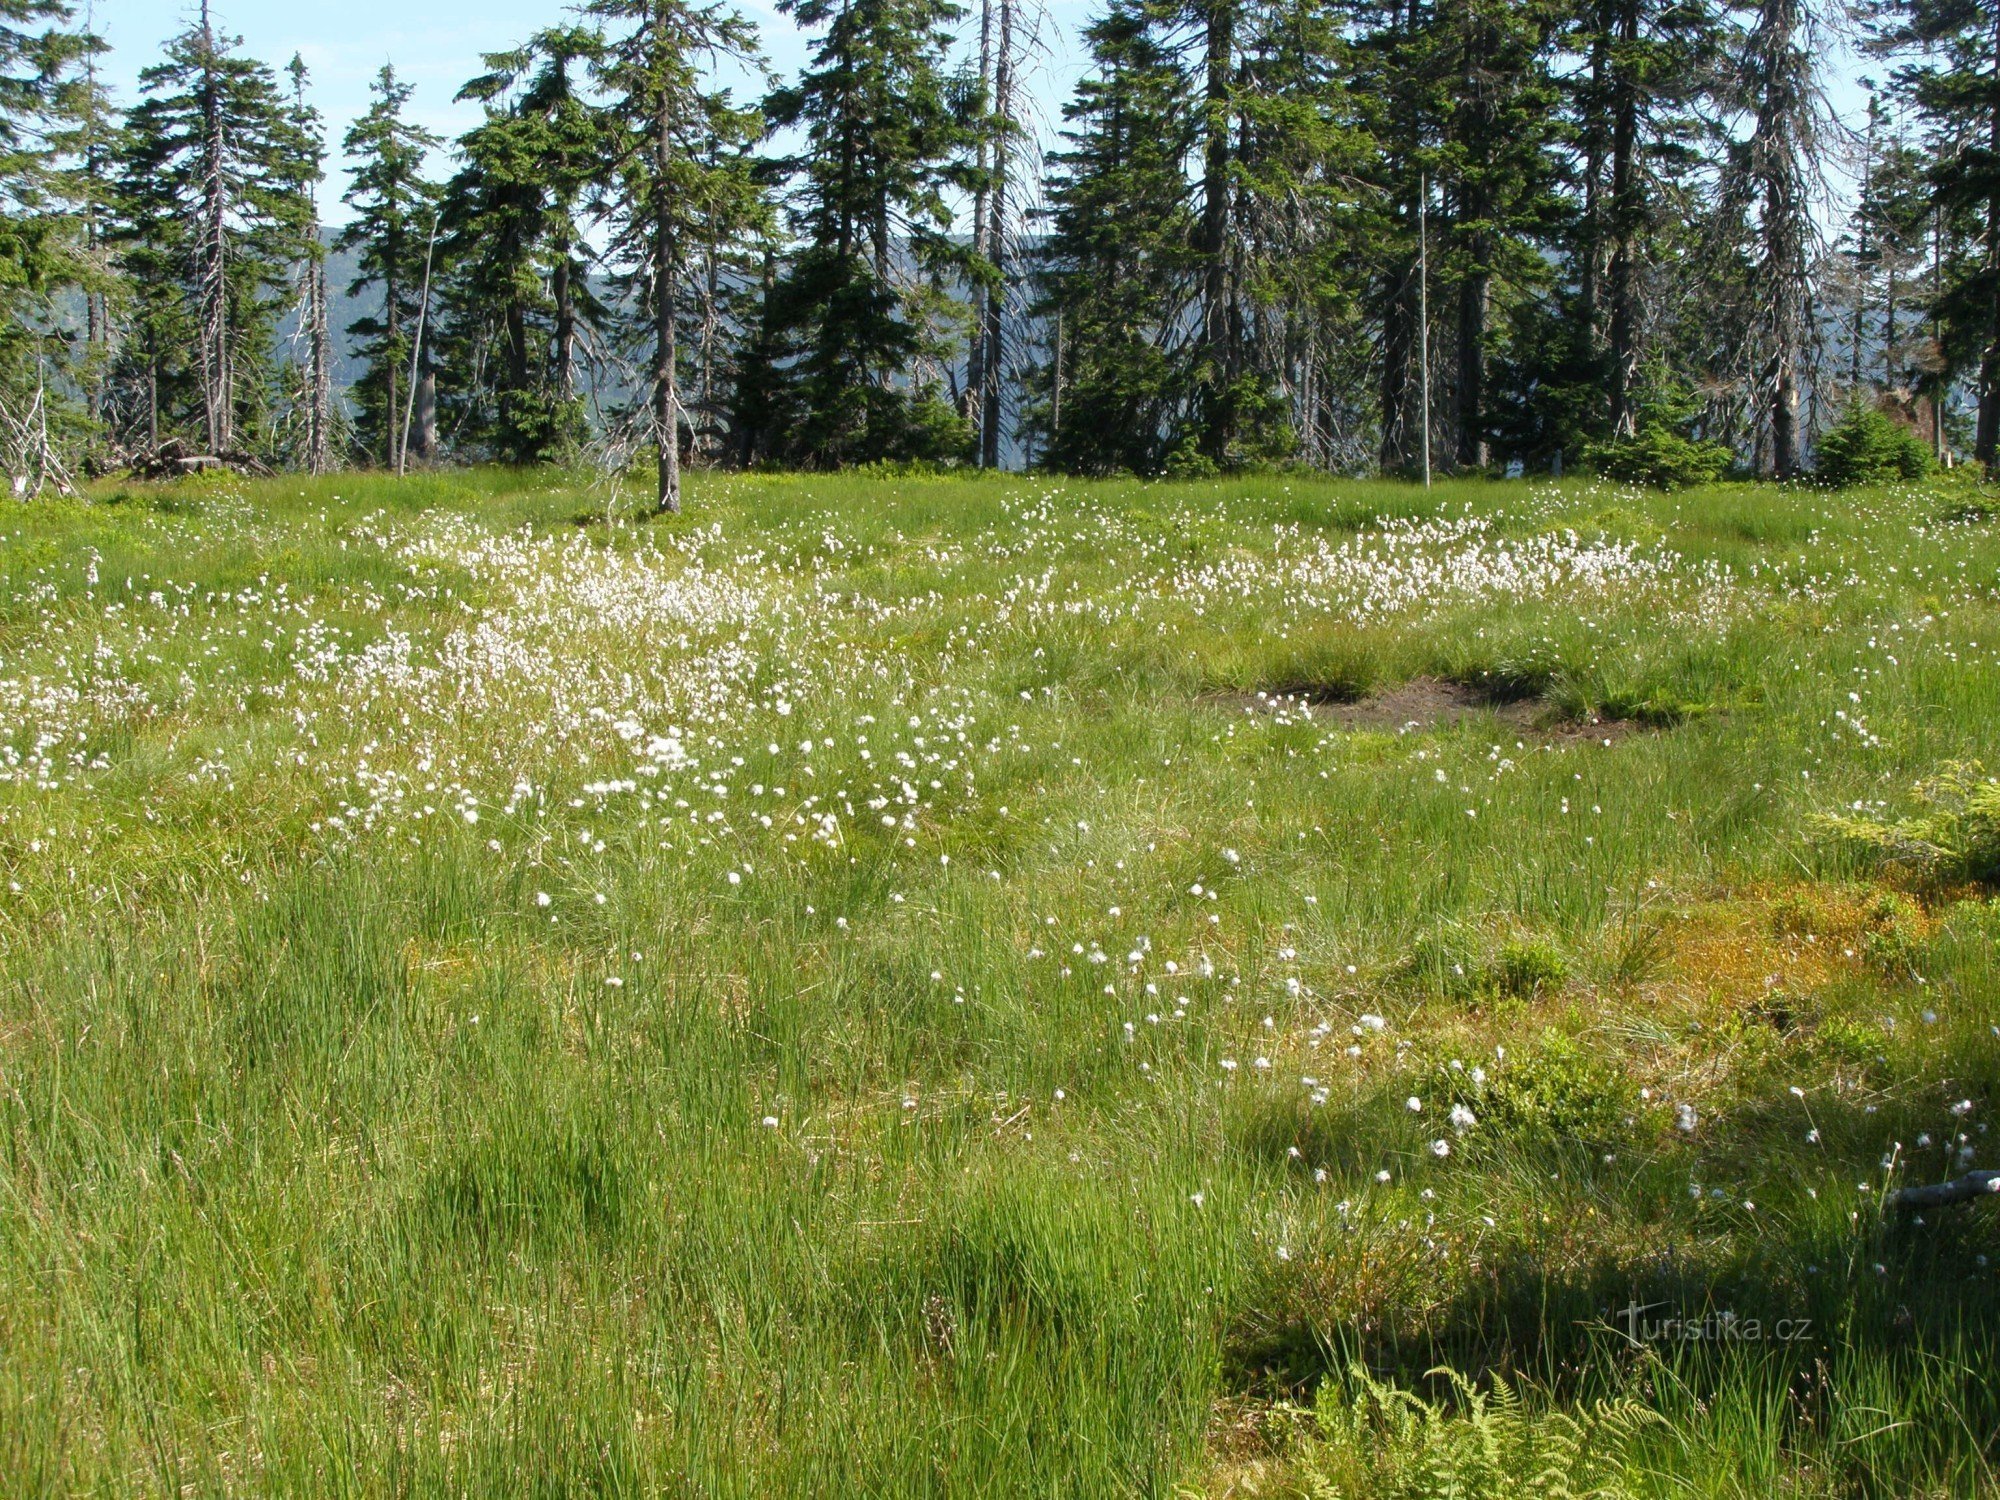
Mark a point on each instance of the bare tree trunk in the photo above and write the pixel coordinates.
(218, 399)
(1988, 433)
(1220, 45)
(1399, 335)
(1889, 291)
(392, 325)
(1780, 74)
(1056, 383)
(1625, 216)
(1937, 332)
(427, 416)
(709, 430)
(1591, 264)
(666, 396)
(1473, 304)
(97, 319)
(975, 361)
(565, 330)
(322, 392)
(992, 344)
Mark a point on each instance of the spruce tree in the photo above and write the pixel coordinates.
(52, 135)
(1115, 268)
(1634, 111)
(1950, 69)
(517, 298)
(212, 209)
(394, 228)
(312, 363)
(1776, 86)
(857, 318)
(681, 176)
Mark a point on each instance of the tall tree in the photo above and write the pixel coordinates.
(50, 132)
(1950, 51)
(991, 304)
(682, 176)
(518, 300)
(856, 317)
(313, 369)
(394, 229)
(1650, 63)
(1777, 86)
(212, 209)
(1114, 272)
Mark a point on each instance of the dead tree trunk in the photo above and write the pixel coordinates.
(992, 342)
(212, 246)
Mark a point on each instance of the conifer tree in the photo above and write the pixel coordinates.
(1950, 69)
(52, 130)
(395, 229)
(1776, 86)
(212, 209)
(518, 299)
(1115, 269)
(1635, 119)
(312, 365)
(856, 317)
(681, 176)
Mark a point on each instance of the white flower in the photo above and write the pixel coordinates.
(1685, 1118)
(1414, 1105)
(1462, 1119)
(1440, 1148)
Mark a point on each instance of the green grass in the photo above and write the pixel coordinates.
(818, 995)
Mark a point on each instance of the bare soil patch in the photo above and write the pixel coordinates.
(1425, 703)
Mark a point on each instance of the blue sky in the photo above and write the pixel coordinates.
(436, 45)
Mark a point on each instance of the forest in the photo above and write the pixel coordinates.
(1347, 236)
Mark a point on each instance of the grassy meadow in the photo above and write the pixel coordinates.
(1011, 987)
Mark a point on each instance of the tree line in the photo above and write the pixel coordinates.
(1353, 235)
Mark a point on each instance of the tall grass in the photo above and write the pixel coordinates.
(413, 1079)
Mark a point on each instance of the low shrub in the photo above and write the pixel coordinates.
(1870, 447)
(1659, 459)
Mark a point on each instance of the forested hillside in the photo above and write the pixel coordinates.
(1343, 235)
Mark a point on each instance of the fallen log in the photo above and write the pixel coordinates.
(172, 460)
(1958, 1190)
